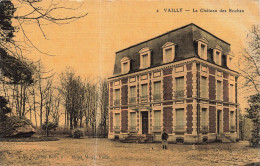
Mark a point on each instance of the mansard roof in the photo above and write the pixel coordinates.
(185, 39)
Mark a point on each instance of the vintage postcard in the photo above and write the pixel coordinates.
(129, 82)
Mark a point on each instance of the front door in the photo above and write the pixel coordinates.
(145, 122)
(219, 121)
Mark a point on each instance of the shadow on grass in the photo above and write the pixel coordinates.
(29, 139)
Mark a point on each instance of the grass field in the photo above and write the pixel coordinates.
(91, 151)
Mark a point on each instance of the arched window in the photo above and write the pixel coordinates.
(217, 55)
(125, 65)
(145, 57)
(203, 48)
(168, 52)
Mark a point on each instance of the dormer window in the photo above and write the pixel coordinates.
(203, 48)
(229, 61)
(145, 58)
(125, 65)
(168, 52)
(217, 53)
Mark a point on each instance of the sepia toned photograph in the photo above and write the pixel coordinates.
(129, 82)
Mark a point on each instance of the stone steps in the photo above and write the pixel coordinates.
(138, 138)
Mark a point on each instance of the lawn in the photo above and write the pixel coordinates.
(91, 151)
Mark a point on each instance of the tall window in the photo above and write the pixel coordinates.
(117, 96)
(217, 57)
(117, 120)
(230, 63)
(145, 60)
(132, 120)
(204, 87)
(179, 119)
(157, 120)
(219, 90)
(168, 55)
(204, 117)
(132, 94)
(125, 67)
(157, 91)
(179, 87)
(232, 119)
(202, 51)
(231, 93)
(144, 90)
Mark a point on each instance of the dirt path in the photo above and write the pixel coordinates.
(91, 151)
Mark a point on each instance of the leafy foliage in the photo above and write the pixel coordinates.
(3, 108)
(7, 10)
(18, 71)
(77, 133)
(50, 126)
(254, 114)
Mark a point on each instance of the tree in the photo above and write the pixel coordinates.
(4, 109)
(103, 104)
(254, 114)
(37, 12)
(249, 65)
(72, 91)
(249, 62)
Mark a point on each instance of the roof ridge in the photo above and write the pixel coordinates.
(191, 24)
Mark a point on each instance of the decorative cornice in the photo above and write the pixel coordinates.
(175, 64)
(168, 44)
(203, 40)
(145, 49)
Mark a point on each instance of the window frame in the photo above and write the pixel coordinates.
(179, 93)
(145, 51)
(204, 42)
(117, 126)
(182, 126)
(126, 61)
(160, 90)
(115, 96)
(231, 93)
(216, 50)
(167, 46)
(130, 93)
(157, 127)
(219, 96)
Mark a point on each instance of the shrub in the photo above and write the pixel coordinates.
(77, 133)
(50, 126)
(10, 124)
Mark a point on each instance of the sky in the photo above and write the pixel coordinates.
(89, 44)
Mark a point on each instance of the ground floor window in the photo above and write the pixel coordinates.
(132, 120)
(179, 119)
(204, 117)
(117, 120)
(157, 120)
(232, 121)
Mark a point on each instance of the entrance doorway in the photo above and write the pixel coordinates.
(219, 121)
(145, 122)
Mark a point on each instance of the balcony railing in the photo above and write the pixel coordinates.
(132, 100)
(117, 102)
(179, 94)
(144, 98)
(156, 128)
(157, 97)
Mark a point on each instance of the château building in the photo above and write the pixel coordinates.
(182, 82)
